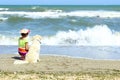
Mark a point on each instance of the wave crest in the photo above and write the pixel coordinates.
(99, 35)
(60, 14)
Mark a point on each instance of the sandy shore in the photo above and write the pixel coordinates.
(59, 68)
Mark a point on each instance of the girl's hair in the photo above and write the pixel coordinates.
(24, 34)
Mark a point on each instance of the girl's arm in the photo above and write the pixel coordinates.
(26, 46)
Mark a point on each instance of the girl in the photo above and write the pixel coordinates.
(23, 43)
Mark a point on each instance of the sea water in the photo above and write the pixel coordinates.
(71, 30)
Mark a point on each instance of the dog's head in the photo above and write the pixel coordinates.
(37, 37)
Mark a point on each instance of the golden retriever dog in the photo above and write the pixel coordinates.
(33, 54)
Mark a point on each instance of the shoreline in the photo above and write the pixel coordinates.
(53, 67)
(88, 52)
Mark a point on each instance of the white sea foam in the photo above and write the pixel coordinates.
(8, 40)
(34, 7)
(60, 13)
(3, 18)
(99, 35)
(5, 9)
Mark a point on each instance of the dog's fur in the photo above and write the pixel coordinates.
(33, 54)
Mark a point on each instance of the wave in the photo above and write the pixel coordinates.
(16, 19)
(60, 14)
(3, 18)
(99, 35)
(8, 40)
(4, 9)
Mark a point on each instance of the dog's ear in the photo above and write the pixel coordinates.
(40, 37)
(37, 37)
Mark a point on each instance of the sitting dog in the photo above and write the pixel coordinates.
(33, 54)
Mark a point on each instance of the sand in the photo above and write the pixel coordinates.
(59, 68)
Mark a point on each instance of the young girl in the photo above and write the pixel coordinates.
(23, 43)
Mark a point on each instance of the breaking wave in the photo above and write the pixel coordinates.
(99, 35)
(4, 9)
(60, 14)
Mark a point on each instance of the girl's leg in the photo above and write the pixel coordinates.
(22, 57)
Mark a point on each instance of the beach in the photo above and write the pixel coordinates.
(79, 42)
(59, 68)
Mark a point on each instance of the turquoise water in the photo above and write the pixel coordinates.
(71, 25)
(83, 26)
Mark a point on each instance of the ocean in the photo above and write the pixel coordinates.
(87, 31)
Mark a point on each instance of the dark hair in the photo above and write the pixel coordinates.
(24, 34)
